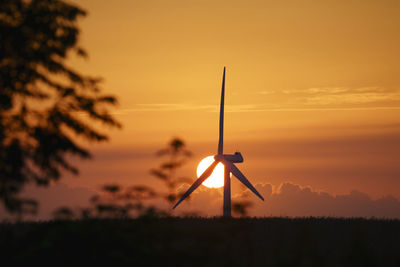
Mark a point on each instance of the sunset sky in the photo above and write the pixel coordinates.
(312, 97)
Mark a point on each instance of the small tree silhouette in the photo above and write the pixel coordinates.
(177, 155)
(63, 213)
(242, 203)
(241, 207)
(116, 201)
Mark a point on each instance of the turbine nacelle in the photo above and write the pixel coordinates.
(234, 158)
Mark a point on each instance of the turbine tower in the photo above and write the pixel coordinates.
(227, 160)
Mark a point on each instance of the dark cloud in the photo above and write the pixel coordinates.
(290, 199)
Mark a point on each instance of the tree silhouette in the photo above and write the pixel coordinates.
(118, 201)
(63, 213)
(176, 154)
(44, 104)
(241, 207)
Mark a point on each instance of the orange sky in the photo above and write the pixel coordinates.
(312, 90)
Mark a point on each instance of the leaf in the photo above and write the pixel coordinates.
(159, 174)
(111, 188)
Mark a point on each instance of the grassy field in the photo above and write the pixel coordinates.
(203, 242)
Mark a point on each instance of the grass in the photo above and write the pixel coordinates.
(203, 242)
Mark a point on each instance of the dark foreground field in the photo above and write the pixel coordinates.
(203, 242)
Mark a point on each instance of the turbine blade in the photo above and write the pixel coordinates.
(198, 182)
(235, 171)
(221, 118)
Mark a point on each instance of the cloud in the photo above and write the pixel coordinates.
(266, 92)
(348, 97)
(156, 107)
(308, 99)
(204, 201)
(291, 199)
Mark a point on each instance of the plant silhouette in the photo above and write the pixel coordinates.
(117, 201)
(44, 104)
(241, 207)
(177, 155)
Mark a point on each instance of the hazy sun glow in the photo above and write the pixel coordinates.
(216, 179)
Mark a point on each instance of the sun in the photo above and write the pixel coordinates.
(216, 179)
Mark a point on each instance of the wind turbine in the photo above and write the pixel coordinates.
(227, 160)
